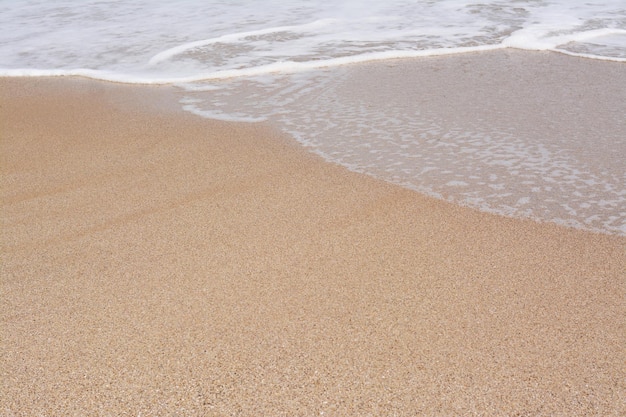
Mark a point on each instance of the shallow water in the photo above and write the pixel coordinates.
(513, 133)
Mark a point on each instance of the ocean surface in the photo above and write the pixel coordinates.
(328, 73)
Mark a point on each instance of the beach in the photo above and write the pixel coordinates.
(157, 263)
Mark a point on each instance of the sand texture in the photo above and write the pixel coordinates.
(155, 263)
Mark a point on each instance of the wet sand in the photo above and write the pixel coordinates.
(155, 263)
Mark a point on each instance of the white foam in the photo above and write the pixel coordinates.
(218, 115)
(277, 67)
(159, 41)
(531, 38)
(457, 183)
(236, 38)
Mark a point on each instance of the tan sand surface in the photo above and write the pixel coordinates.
(155, 263)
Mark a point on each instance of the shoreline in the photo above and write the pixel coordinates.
(154, 262)
(516, 133)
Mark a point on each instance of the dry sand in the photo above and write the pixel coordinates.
(154, 263)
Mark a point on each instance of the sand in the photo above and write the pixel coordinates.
(155, 263)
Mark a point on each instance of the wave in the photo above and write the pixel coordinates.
(516, 41)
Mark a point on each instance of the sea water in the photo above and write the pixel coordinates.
(327, 72)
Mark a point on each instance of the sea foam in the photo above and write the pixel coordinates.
(181, 41)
